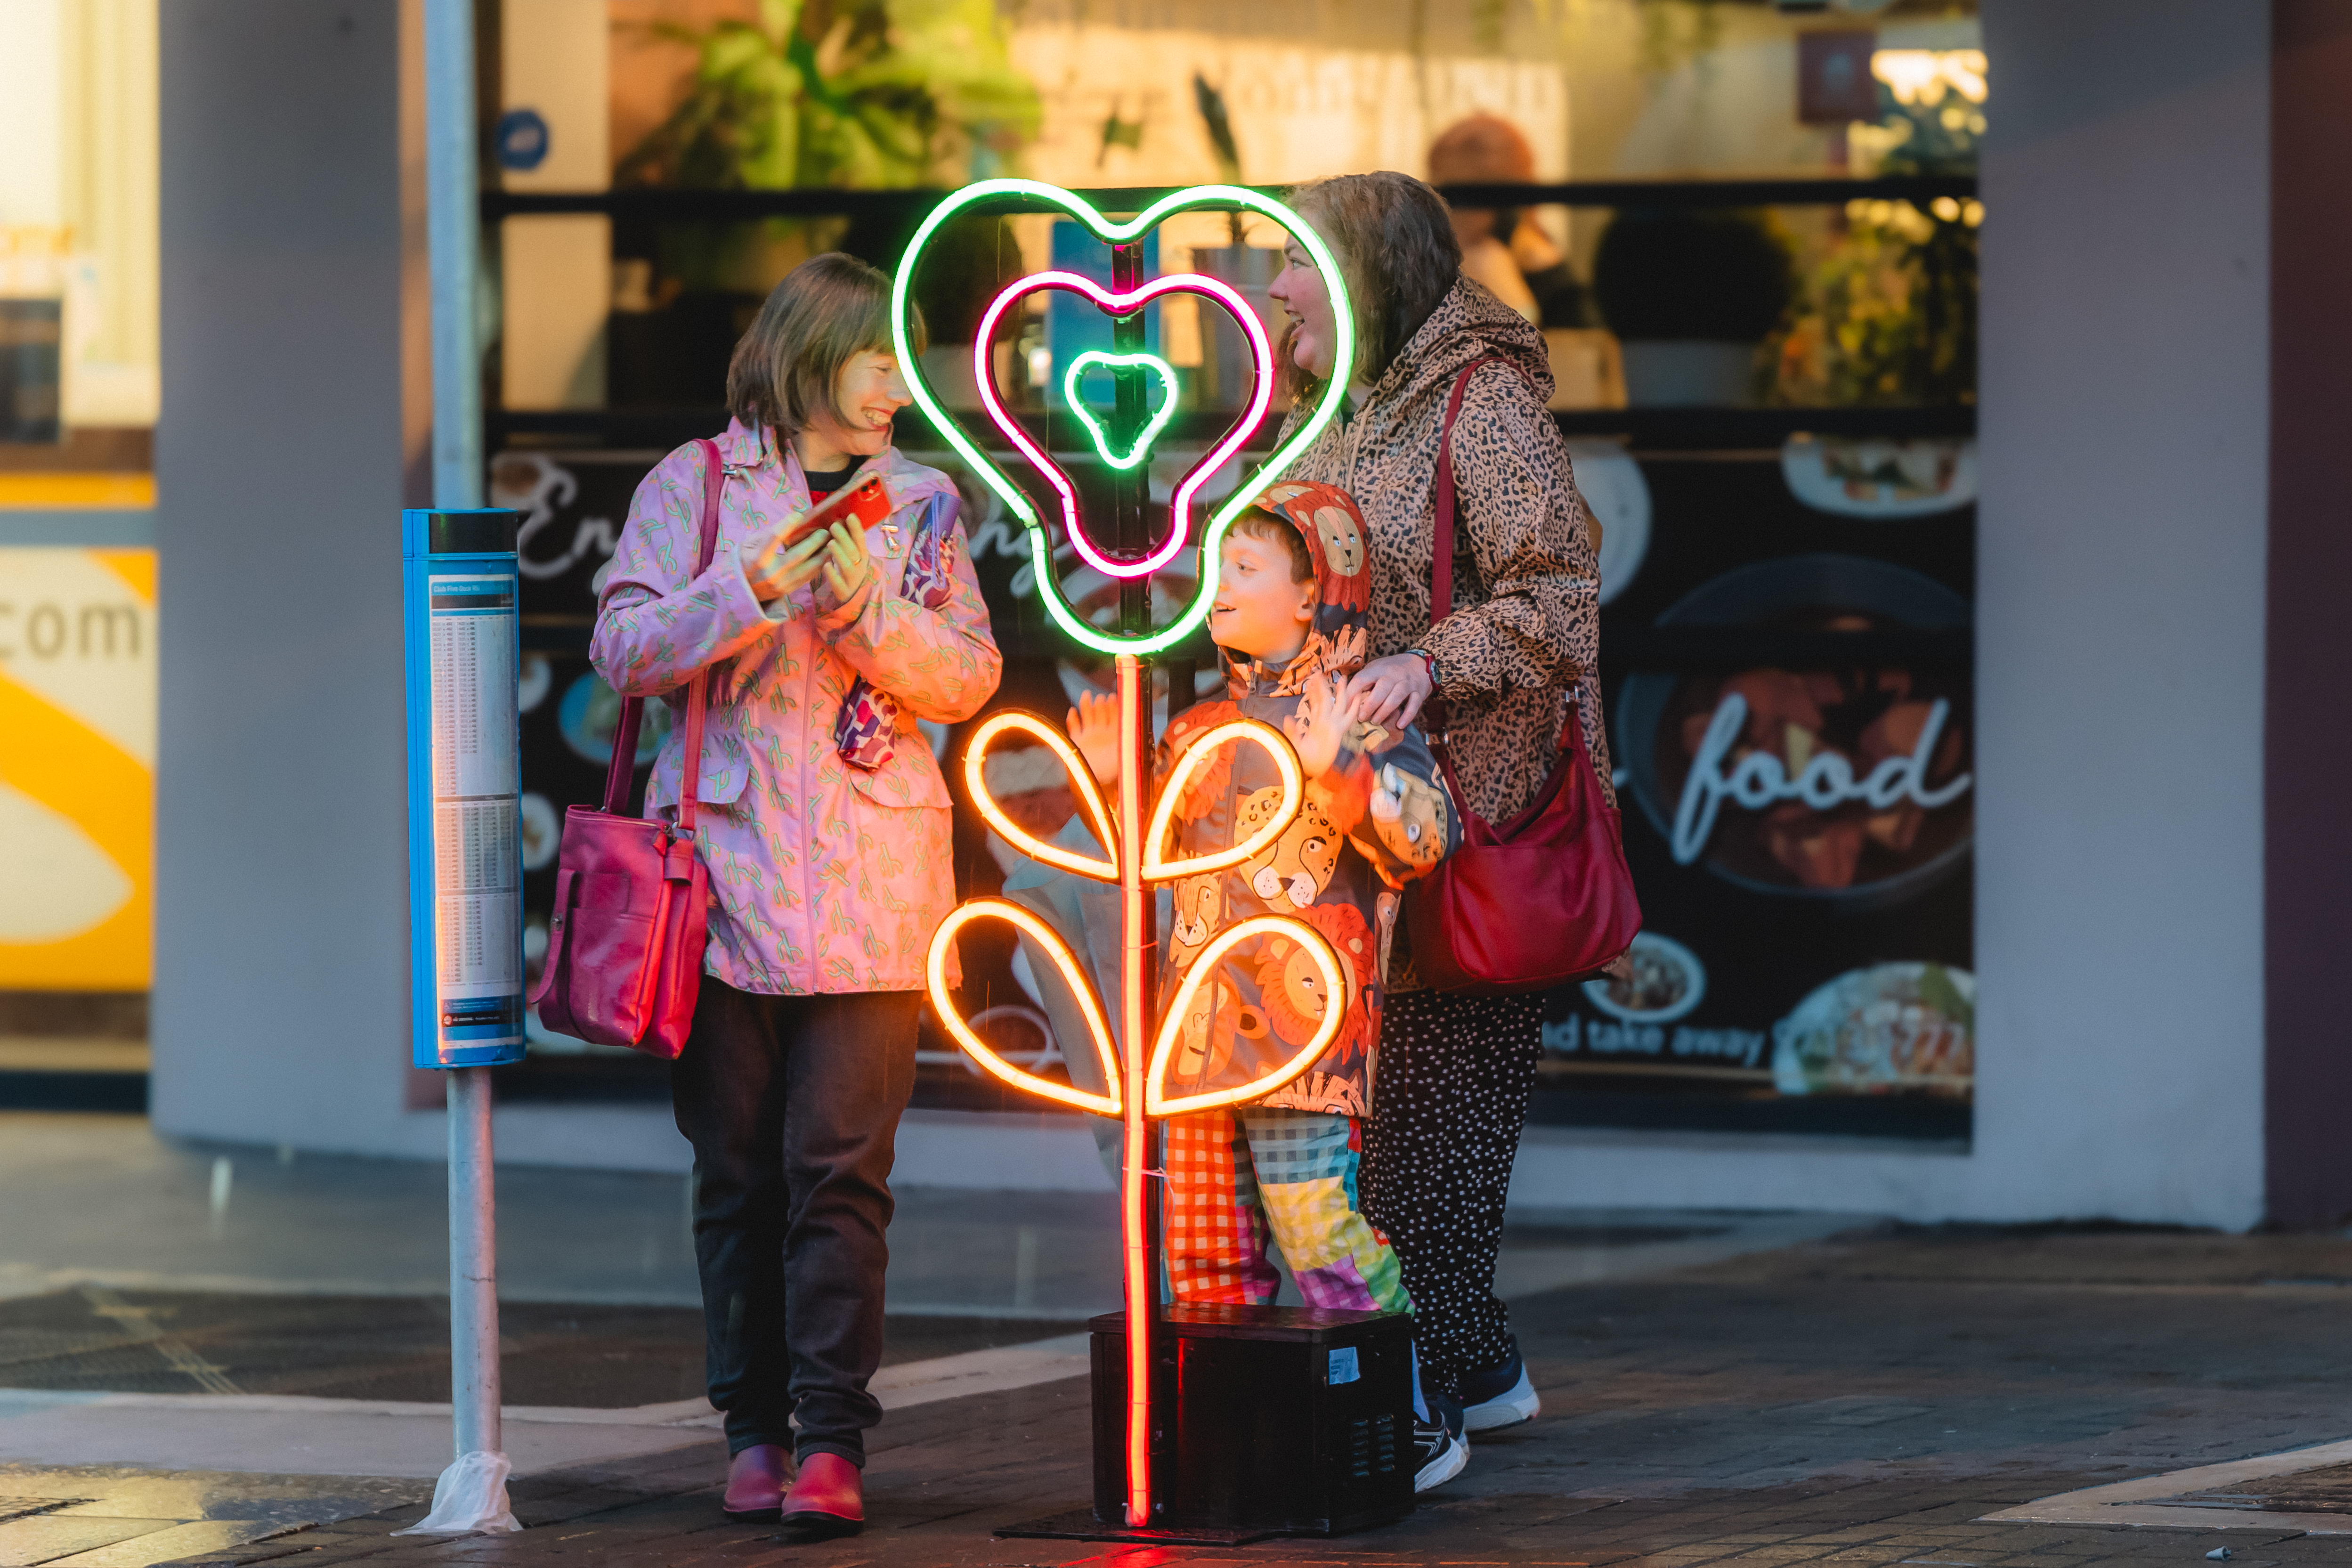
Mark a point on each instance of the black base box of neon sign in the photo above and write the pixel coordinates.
(1270, 1420)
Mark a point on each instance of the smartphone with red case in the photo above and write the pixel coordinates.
(866, 497)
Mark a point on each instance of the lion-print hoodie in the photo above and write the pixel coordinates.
(1376, 821)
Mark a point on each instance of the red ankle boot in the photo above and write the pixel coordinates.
(827, 1500)
(756, 1479)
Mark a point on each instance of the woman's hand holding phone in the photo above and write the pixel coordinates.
(829, 537)
(847, 563)
(784, 568)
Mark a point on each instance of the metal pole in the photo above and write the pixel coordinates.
(473, 1268)
(453, 243)
(453, 233)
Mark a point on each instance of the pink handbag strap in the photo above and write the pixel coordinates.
(624, 734)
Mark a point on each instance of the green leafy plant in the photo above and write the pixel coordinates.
(873, 94)
(1888, 312)
(861, 94)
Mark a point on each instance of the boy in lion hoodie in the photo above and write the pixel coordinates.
(1288, 619)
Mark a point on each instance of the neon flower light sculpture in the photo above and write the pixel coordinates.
(1133, 830)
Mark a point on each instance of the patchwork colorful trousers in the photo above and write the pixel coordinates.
(1240, 1183)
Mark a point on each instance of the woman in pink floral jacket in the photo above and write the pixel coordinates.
(824, 823)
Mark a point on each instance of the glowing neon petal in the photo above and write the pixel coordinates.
(1171, 1027)
(1197, 755)
(1034, 925)
(1160, 417)
(1082, 785)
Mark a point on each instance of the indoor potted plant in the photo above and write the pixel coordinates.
(852, 94)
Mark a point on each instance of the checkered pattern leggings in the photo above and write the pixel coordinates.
(1239, 1180)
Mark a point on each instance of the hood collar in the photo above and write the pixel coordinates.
(751, 447)
(1338, 544)
(1468, 323)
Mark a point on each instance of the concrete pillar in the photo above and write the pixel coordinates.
(2120, 610)
(280, 1005)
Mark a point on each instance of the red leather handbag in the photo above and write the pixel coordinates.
(632, 897)
(1544, 899)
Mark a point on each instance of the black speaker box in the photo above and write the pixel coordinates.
(1284, 1420)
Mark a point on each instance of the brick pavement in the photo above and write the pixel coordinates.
(1861, 1402)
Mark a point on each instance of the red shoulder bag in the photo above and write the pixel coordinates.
(1545, 897)
(632, 897)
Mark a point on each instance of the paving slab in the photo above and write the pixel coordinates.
(1862, 1399)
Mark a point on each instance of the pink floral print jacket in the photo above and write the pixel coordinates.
(824, 876)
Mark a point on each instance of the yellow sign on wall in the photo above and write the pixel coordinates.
(76, 769)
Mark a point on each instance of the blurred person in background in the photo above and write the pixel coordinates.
(1504, 249)
(1518, 644)
(826, 826)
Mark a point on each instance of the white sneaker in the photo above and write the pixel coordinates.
(1439, 1453)
(1515, 1405)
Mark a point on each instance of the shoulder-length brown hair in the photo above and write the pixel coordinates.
(1395, 241)
(827, 311)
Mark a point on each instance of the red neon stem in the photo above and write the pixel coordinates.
(1142, 1281)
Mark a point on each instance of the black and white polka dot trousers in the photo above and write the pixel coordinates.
(1451, 1097)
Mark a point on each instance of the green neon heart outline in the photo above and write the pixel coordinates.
(1152, 427)
(1016, 500)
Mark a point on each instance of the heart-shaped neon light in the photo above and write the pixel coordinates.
(1180, 510)
(1140, 447)
(1017, 501)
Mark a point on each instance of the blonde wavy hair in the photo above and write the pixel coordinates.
(1394, 238)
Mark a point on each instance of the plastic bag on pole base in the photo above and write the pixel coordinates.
(470, 1499)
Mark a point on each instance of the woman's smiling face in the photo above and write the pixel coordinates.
(868, 390)
(1299, 288)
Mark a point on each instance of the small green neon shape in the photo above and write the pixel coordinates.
(1141, 449)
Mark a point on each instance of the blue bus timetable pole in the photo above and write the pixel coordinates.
(466, 1016)
(462, 631)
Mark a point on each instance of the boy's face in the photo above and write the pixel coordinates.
(1258, 611)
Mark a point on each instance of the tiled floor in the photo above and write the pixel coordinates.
(1863, 1401)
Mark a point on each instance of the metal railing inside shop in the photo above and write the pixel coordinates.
(1721, 427)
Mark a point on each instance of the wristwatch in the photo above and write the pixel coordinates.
(1429, 660)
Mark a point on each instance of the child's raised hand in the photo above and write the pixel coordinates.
(1093, 729)
(1319, 725)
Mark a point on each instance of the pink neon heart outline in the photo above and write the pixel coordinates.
(1180, 526)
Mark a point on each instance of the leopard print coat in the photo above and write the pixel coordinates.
(1525, 626)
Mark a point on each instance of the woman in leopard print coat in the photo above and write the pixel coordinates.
(1520, 640)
